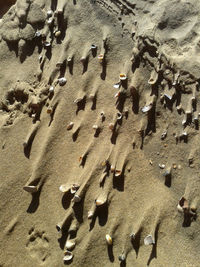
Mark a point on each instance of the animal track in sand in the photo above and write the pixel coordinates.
(38, 245)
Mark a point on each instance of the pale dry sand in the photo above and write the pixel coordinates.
(112, 160)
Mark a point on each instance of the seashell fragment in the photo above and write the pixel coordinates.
(146, 108)
(163, 135)
(68, 256)
(179, 107)
(62, 81)
(70, 244)
(109, 239)
(118, 173)
(122, 257)
(117, 94)
(93, 47)
(64, 188)
(119, 116)
(102, 114)
(76, 199)
(47, 44)
(30, 188)
(161, 166)
(100, 58)
(49, 13)
(69, 59)
(49, 21)
(58, 227)
(74, 188)
(183, 205)
(168, 96)
(153, 78)
(122, 76)
(100, 201)
(95, 127)
(112, 168)
(70, 125)
(90, 214)
(37, 34)
(117, 85)
(132, 236)
(148, 240)
(57, 33)
(51, 89)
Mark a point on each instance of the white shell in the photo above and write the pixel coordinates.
(162, 166)
(68, 256)
(168, 96)
(58, 227)
(149, 240)
(90, 214)
(119, 116)
(93, 46)
(95, 127)
(64, 188)
(70, 244)
(62, 81)
(38, 34)
(49, 13)
(117, 85)
(74, 188)
(49, 21)
(57, 33)
(183, 121)
(118, 173)
(112, 168)
(69, 59)
(122, 77)
(51, 89)
(117, 94)
(179, 208)
(100, 202)
(76, 198)
(102, 114)
(30, 188)
(47, 44)
(146, 108)
(109, 239)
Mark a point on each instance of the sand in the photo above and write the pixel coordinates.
(99, 133)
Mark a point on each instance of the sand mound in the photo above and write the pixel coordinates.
(99, 129)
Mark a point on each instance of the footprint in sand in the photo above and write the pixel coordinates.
(38, 245)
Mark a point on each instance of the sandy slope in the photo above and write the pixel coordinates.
(114, 161)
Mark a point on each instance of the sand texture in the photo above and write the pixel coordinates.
(99, 133)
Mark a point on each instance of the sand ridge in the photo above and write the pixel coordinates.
(99, 124)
